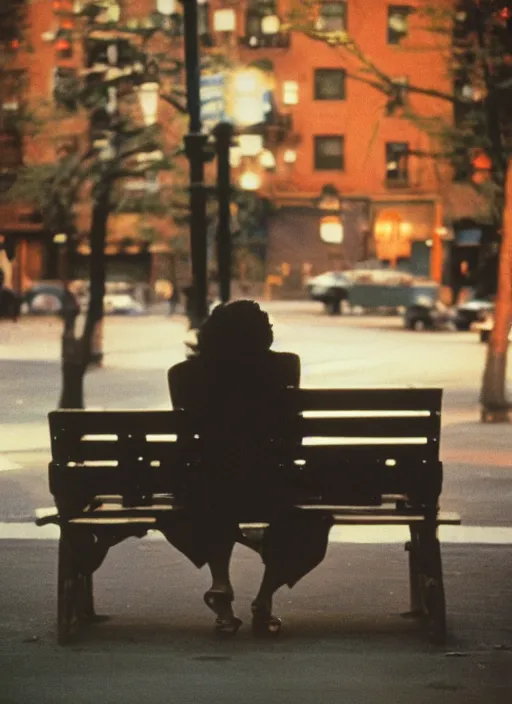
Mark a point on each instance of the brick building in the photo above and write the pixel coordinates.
(334, 140)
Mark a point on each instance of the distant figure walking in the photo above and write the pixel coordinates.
(174, 297)
(235, 389)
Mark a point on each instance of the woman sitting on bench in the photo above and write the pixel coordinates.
(233, 388)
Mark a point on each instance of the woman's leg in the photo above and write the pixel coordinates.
(294, 544)
(220, 540)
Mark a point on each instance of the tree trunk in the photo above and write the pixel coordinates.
(94, 320)
(77, 351)
(493, 396)
(73, 372)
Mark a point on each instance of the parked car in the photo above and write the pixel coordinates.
(426, 314)
(46, 298)
(473, 311)
(485, 327)
(369, 289)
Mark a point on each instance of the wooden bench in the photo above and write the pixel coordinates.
(368, 457)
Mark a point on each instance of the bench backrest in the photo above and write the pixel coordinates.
(357, 445)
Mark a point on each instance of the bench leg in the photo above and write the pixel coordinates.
(416, 607)
(426, 575)
(75, 602)
(70, 587)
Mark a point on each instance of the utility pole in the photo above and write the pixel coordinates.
(195, 147)
(223, 136)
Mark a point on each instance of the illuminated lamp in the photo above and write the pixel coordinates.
(235, 156)
(148, 97)
(331, 230)
(250, 181)
(290, 156)
(224, 20)
(250, 144)
(270, 24)
(267, 159)
(166, 7)
(62, 44)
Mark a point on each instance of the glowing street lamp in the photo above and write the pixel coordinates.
(250, 181)
(250, 144)
(331, 229)
(267, 159)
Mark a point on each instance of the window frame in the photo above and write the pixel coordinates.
(316, 73)
(317, 139)
(402, 177)
(394, 38)
(400, 97)
(322, 19)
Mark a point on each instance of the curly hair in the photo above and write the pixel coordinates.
(240, 328)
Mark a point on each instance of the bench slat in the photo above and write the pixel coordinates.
(377, 454)
(371, 427)
(138, 422)
(369, 399)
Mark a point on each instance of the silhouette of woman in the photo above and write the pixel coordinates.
(234, 388)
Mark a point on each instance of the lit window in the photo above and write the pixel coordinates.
(290, 92)
(329, 153)
(397, 156)
(64, 44)
(332, 17)
(263, 26)
(224, 20)
(11, 94)
(330, 84)
(398, 23)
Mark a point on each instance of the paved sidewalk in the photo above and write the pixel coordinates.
(343, 638)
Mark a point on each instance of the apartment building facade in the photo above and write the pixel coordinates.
(340, 150)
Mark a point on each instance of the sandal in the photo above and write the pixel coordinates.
(264, 624)
(226, 624)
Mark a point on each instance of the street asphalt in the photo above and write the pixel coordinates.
(344, 641)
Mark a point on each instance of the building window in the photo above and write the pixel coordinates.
(398, 97)
(290, 92)
(263, 26)
(11, 95)
(398, 23)
(11, 150)
(330, 84)
(397, 155)
(332, 17)
(11, 17)
(64, 44)
(66, 88)
(329, 153)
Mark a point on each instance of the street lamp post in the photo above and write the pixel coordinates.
(223, 137)
(195, 147)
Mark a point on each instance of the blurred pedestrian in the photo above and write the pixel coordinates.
(174, 297)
